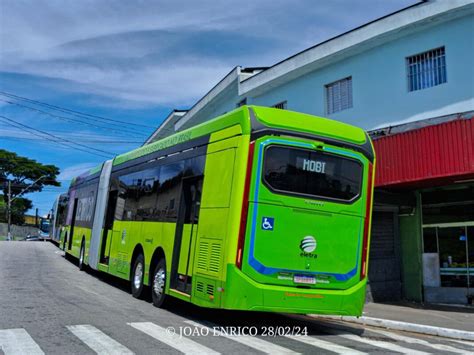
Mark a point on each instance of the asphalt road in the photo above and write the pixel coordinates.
(48, 306)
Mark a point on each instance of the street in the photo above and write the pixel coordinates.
(49, 306)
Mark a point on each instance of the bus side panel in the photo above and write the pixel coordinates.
(208, 270)
(81, 233)
(127, 235)
(157, 235)
(133, 237)
(123, 233)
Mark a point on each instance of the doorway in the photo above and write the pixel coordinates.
(108, 225)
(73, 222)
(186, 232)
(451, 245)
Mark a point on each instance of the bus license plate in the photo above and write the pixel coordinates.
(299, 279)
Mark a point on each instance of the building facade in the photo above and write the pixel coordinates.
(408, 79)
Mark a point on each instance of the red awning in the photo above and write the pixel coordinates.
(428, 156)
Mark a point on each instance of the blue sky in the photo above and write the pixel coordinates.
(134, 61)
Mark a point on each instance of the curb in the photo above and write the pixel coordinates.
(409, 327)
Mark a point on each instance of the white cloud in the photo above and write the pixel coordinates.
(146, 53)
(150, 85)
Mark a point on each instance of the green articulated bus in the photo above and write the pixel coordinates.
(259, 209)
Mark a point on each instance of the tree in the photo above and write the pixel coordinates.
(23, 173)
(19, 207)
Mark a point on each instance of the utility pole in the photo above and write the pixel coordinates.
(9, 210)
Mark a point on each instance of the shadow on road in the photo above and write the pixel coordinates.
(228, 318)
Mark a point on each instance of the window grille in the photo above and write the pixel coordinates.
(339, 95)
(426, 69)
(281, 105)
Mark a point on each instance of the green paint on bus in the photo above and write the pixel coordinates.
(258, 209)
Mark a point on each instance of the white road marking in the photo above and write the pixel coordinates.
(464, 342)
(185, 345)
(326, 345)
(378, 343)
(411, 340)
(250, 341)
(18, 342)
(98, 341)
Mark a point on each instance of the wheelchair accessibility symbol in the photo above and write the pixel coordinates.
(267, 223)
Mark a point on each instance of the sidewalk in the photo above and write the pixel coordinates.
(460, 318)
(448, 321)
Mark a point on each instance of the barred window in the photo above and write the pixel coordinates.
(339, 95)
(426, 69)
(281, 105)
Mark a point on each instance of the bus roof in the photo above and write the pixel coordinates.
(85, 176)
(254, 118)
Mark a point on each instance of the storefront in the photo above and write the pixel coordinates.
(448, 244)
(432, 162)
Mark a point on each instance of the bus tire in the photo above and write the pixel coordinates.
(158, 284)
(136, 276)
(82, 255)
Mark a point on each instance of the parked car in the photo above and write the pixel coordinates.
(32, 238)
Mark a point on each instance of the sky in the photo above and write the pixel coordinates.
(82, 81)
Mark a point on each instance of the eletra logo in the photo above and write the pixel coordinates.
(308, 244)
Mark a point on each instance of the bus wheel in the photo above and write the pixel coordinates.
(137, 276)
(158, 284)
(82, 266)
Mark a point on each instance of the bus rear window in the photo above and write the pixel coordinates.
(311, 173)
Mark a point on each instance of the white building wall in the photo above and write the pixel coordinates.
(226, 101)
(379, 80)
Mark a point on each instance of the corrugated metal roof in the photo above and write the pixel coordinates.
(429, 154)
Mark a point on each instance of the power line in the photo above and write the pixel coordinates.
(85, 134)
(62, 109)
(93, 141)
(57, 139)
(122, 131)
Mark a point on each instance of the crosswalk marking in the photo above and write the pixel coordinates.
(326, 345)
(182, 344)
(378, 343)
(250, 341)
(18, 342)
(98, 341)
(411, 340)
(463, 342)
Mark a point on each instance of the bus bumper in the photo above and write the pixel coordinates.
(243, 293)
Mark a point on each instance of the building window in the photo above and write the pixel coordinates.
(280, 105)
(426, 69)
(242, 102)
(339, 95)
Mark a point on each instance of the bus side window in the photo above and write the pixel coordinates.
(169, 191)
(128, 195)
(148, 195)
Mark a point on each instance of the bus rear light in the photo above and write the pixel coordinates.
(239, 255)
(245, 207)
(368, 212)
